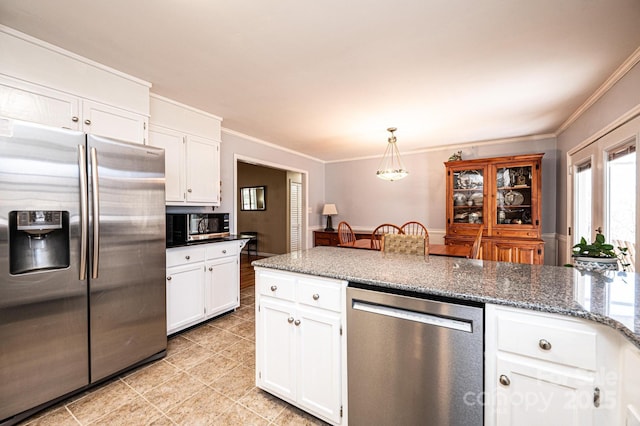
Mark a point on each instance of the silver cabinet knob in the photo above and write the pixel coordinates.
(87, 122)
(290, 320)
(297, 322)
(316, 296)
(187, 257)
(224, 252)
(504, 380)
(189, 190)
(596, 397)
(74, 119)
(211, 268)
(544, 344)
(168, 278)
(274, 287)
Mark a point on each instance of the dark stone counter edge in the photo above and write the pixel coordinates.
(578, 312)
(213, 240)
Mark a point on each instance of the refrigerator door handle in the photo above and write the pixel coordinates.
(96, 212)
(84, 213)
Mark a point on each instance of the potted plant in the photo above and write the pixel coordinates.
(598, 255)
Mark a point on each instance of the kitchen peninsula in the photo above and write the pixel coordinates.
(547, 330)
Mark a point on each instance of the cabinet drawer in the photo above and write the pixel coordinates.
(184, 255)
(549, 339)
(320, 294)
(278, 286)
(216, 250)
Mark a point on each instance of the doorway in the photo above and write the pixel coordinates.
(282, 225)
(604, 181)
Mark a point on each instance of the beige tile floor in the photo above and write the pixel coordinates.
(207, 378)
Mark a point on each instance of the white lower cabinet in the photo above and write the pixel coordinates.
(222, 280)
(202, 281)
(545, 369)
(299, 341)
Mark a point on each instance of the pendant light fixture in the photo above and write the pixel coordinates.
(391, 167)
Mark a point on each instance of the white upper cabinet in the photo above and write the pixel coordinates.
(54, 87)
(191, 139)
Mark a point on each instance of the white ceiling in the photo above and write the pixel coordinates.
(326, 78)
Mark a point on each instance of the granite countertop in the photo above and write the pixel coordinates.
(612, 298)
(231, 237)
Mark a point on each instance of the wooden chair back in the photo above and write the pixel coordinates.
(405, 244)
(345, 234)
(475, 248)
(414, 228)
(385, 228)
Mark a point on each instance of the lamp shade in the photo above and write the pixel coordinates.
(329, 209)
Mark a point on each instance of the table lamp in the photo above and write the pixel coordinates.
(329, 210)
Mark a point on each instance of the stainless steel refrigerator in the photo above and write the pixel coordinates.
(82, 261)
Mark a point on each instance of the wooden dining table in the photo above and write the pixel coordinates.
(449, 250)
(362, 243)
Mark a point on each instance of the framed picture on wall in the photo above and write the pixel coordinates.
(253, 198)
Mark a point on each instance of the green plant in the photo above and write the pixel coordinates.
(599, 248)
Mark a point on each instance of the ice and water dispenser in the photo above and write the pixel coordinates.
(38, 240)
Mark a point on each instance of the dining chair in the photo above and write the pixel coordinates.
(405, 244)
(385, 228)
(414, 228)
(475, 248)
(346, 237)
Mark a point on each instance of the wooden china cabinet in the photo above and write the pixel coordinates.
(503, 195)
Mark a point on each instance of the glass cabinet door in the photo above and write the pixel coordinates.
(468, 196)
(514, 195)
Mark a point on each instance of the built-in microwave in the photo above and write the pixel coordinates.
(187, 227)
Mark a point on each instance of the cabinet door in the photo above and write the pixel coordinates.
(529, 393)
(275, 362)
(173, 144)
(38, 104)
(185, 288)
(517, 252)
(203, 171)
(222, 289)
(466, 196)
(105, 120)
(319, 369)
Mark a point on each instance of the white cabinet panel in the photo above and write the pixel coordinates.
(105, 120)
(222, 292)
(529, 393)
(203, 170)
(185, 304)
(174, 161)
(38, 104)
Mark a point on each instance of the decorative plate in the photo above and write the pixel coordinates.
(513, 198)
(477, 198)
(468, 179)
(459, 199)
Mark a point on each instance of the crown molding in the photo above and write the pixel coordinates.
(622, 70)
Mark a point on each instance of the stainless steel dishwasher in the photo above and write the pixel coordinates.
(413, 361)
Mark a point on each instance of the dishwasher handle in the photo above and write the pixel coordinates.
(421, 317)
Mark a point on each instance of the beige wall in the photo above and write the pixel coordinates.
(271, 224)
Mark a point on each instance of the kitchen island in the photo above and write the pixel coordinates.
(602, 311)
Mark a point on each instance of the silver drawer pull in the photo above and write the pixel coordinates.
(211, 268)
(316, 296)
(504, 380)
(224, 252)
(274, 288)
(297, 322)
(290, 320)
(544, 344)
(596, 397)
(168, 278)
(187, 257)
